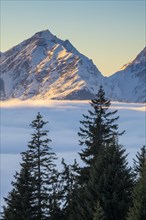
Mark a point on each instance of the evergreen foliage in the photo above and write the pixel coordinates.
(110, 181)
(19, 202)
(39, 170)
(55, 198)
(98, 214)
(98, 128)
(106, 175)
(138, 209)
(139, 161)
(43, 166)
(101, 190)
(69, 178)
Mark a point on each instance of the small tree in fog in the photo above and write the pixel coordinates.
(32, 195)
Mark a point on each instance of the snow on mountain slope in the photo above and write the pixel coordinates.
(45, 67)
(129, 84)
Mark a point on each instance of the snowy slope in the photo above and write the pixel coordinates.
(45, 67)
(129, 84)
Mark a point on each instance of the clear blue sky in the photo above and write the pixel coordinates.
(111, 33)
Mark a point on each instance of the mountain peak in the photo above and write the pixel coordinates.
(130, 81)
(46, 67)
(45, 34)
(141, 56)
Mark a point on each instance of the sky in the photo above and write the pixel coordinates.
(111, 33)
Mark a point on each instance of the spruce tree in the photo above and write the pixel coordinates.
(98, 128)
(69, 179)
(43, 166)
(98, 213)
(35, 190)
(138, 209)
(55, 199)
(111, 181)
(139, 161)
(20, 201)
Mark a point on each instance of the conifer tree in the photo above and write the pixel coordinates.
(43, 166)
(69, 179)
(55, 199)
(96, 134)
(20, 201)
(98, 213)
(138, 209)
(97, 129)
(111, 181)
(35, 194)
(139, 161)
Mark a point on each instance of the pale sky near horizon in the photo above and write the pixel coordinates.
(110, 32)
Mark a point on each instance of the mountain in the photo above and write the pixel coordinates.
(45, 67)
(129, 84)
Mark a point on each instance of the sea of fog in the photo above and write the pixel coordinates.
(63, 117)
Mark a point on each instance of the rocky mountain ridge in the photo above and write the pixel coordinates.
(46, 67)
(129, 84)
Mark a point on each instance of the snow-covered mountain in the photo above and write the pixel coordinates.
(129, 83)
(45, 67)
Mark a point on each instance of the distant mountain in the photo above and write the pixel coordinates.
(129, 84)
(46, 67)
